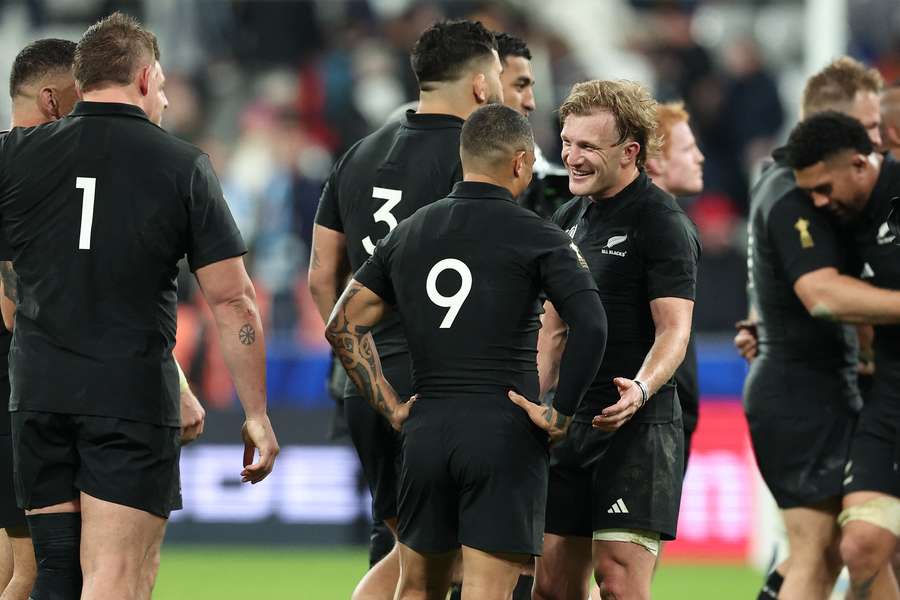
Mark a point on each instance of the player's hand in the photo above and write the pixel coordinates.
(746, 340)
(546, 417)
(258, 436)
(193, 417)
(630, 400)
(401, 413)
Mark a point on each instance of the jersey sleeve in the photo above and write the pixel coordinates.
(328, 214)
(803, 237)
(213, 234)
(671, 249)
(375, 273)
(563, 270)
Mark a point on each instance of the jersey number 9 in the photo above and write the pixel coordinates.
(454, 302)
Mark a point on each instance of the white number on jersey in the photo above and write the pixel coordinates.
(454, 302)
(89, 187)
(383, 214)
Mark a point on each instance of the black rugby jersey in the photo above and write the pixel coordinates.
(880, 256)
(5, 340)
(466, 274)
(788, 238)
(640, 246)
(97, 209)
(381, 180)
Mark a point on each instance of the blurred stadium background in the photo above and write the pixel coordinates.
(275, 90)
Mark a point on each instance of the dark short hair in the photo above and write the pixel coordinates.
(510, 45)
(445, 49)
(494, 132)
(824, 135)
(111, 50)
(38, 59)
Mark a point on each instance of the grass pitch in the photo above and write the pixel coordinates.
(242, 572)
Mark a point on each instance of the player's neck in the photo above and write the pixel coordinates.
(27, 115)
(482, 178)
(114, 95)
(444, 102)
(625, 179)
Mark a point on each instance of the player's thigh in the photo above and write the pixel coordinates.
(129, 463)
(428, 503)
(801, 424)
(812, 529)
(425, 572)
(113, 534)
(44, 447)
(875, 448)
(637, 483)
(565, 566)
(629, 558)
(491, 575)
(499, 462)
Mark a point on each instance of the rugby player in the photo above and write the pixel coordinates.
(615, 481)
(465, 275)
(801, 397)
(42, 89)
(837, 166)
(550, 182)
(678, 169)
(95, 233)
(380, 181)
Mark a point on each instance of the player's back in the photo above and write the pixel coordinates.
(97, 209)
(467, 272)
(379, 182)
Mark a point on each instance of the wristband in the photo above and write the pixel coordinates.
(645, 394)
(183, 385)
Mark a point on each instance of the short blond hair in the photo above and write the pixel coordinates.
(835, 86)
(630, 104)
(668, 115)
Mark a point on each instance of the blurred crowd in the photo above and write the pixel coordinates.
(276, 90)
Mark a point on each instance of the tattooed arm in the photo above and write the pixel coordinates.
(349, 333)
(232, 299)
(550, 346)
(328, 268)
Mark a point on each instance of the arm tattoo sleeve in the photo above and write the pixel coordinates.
(10, 281)
(354, 345)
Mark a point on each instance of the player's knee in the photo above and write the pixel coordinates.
(858, 552)
(57, 540)
(861, 549)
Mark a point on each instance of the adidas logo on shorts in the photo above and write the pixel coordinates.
(618, 507)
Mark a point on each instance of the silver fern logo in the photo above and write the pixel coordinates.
(616, 240)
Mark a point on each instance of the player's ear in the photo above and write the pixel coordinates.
(49, 103)
(519, 164)
(143, 79)
(630, 152)
(480, 88)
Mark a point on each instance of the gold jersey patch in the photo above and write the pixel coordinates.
(802, 225)
(581, 261)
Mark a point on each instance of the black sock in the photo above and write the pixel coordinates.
(771, 587)
(57, 543)
(523, 588)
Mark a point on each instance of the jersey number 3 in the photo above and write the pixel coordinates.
(88, 185)
(383, 214)
(454, 302)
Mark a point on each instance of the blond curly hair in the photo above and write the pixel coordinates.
(629, 102)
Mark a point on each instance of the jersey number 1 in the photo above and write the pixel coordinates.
(454, 302)
(383, 214)
(88, 185)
